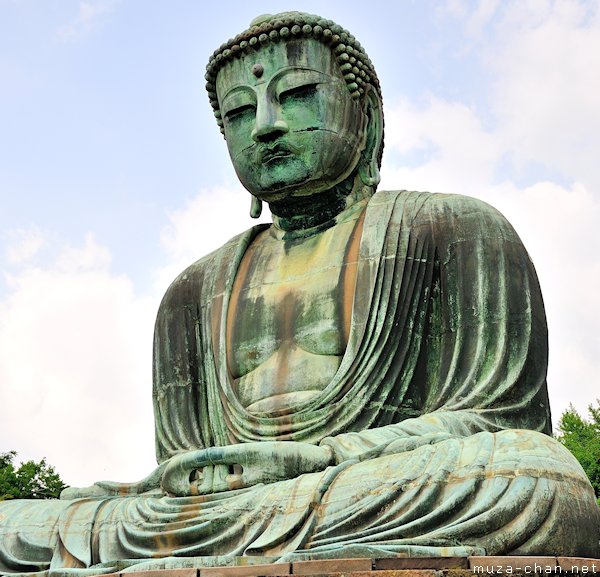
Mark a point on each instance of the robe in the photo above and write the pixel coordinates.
(438, 418)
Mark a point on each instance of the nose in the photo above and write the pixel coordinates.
(268, 124)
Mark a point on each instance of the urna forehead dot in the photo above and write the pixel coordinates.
(258, 70)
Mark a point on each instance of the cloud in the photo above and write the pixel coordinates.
(558, 225)
(547, 87)
(204, 224)
(76, 342)
(24, 244)
(440, 144)
(475, 19)
(75, 368)
(543, 64)
(87, 18)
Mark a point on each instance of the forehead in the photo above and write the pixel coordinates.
(276, 56)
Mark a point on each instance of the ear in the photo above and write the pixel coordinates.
(255, 207)
(368, 168)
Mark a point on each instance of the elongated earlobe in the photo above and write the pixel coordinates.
(368, 169)
(255, 207)
(369, 172)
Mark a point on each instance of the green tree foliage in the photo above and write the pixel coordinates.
(582, 438)
(30, 480)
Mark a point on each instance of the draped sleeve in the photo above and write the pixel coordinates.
(188, 412)
(481, 357)
(178, 389)
(448, 338)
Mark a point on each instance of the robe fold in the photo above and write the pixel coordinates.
(438, 417)
(448, 327)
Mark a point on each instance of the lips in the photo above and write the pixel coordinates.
(267, 154)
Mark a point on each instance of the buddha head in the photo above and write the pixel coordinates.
(299, 104)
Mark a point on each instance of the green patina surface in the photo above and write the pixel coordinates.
(363, 378)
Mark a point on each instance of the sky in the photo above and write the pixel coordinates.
(114, 177)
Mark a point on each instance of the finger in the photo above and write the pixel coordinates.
(405, 445)
(254, 474)
(192, 459)
(83, 492)
(227, 481)
(176, 476)
(216, 455)
(176, 482)
(205, 484)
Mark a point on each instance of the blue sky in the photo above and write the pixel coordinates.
(114, 177)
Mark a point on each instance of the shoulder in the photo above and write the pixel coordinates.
(453, 203)
(457, 214)
(189, 281)
(193, 284)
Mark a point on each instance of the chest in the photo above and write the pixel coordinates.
(293, 295)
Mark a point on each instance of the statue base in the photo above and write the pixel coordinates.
(365, 567)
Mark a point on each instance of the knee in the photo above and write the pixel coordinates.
(537, 451)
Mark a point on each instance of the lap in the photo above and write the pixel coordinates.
(508, 492)
(514, 491)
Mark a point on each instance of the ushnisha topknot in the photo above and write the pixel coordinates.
(354, 64)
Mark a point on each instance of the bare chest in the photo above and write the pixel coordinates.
(289, 316)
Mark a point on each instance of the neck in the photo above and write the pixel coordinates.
(317, 212)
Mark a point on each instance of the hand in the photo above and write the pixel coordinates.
(149, 484)
(231, 467)
(404, 445)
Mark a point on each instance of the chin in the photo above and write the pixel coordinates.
(282, 191)
(272, 188)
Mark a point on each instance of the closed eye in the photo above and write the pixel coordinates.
(238, 112)
(304, 91)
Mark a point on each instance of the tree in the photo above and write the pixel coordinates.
(582, 438)
(30, 480)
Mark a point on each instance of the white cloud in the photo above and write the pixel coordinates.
(87, 18)
(545, 62)
(474, 18)
(459, 154)
(24, 244)
(90, 257)
(557, 224)
(540, 60)
(75, 367)
(455, 8)
(479, 18)
(204, 224)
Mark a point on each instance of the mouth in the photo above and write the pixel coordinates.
(269, 154)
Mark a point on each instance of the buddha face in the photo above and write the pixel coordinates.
(291, 126)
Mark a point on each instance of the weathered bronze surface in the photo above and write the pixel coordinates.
(363, 378)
